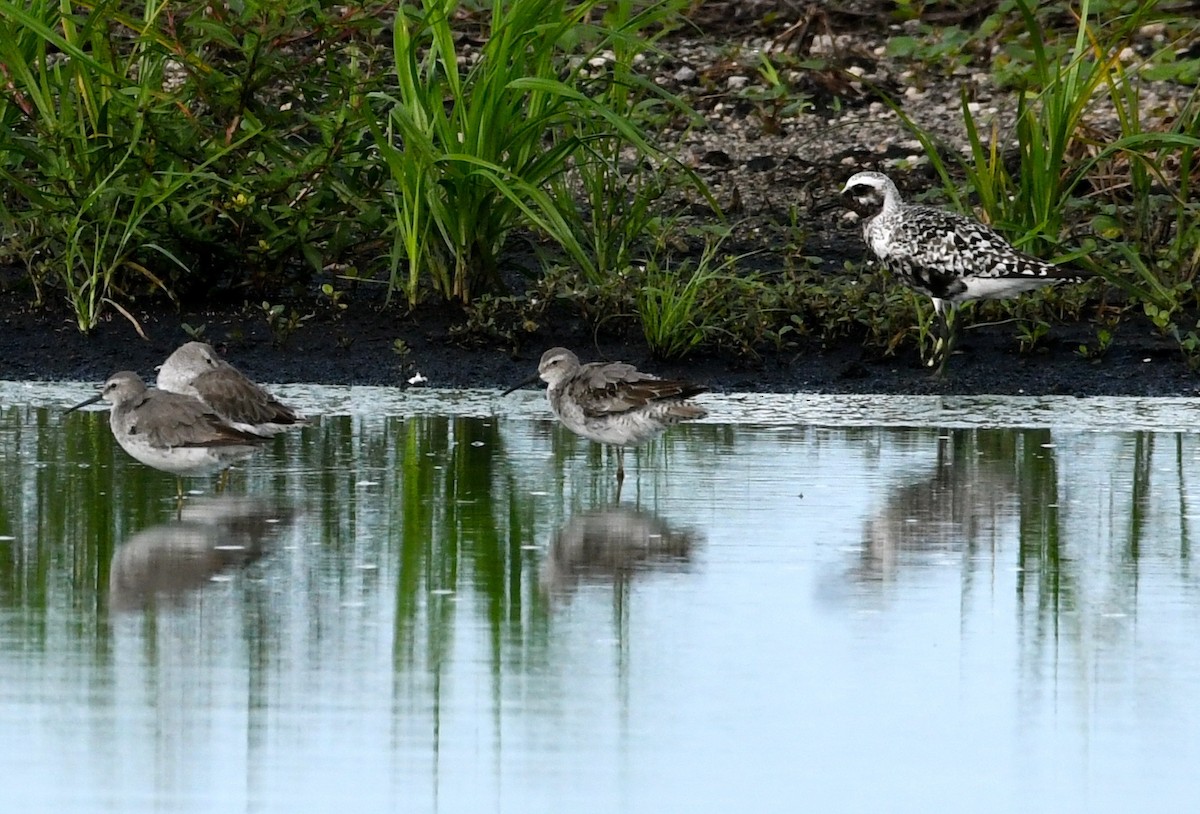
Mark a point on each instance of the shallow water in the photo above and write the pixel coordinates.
(435, 601)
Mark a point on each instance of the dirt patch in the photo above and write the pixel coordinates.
(359, 347)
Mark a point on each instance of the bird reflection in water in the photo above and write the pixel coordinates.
(610, 545)
(209, 537)
(974, 489)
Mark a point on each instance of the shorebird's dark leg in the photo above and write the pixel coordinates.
(178, 497)
(943, 346)
(951, 323)
(223, 481)
(620, 464)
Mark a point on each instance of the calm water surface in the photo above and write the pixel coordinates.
(438, 603)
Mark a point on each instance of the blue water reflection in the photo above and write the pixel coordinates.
(457, 613)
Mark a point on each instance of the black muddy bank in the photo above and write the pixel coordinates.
(358, 346)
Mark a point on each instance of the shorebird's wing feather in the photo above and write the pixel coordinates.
(607, 389)
(171, 420)
(602, 375)
(233, 395)
(948, 243)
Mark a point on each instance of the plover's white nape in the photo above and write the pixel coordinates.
(947, 256)
(170, 432)
(195, 369)
(613, 402)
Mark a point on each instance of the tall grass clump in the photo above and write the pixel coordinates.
(1051, 138)
(75, 113)
(473, 148)
(146, 147)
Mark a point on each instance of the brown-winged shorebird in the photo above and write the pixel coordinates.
(170, 432)
(195, 370)
(948, 257)
(613, 402)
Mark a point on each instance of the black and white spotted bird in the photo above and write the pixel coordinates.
(944, 255)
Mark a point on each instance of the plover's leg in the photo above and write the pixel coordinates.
(948, 327)
(620, 464)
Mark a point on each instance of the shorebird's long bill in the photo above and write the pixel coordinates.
(92, 400)
(521, 384)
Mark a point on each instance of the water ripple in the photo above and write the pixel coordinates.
(768, 409)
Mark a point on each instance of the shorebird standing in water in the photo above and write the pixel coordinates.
(170, 432)
(946, 256)
(612, 402)
(195, 370)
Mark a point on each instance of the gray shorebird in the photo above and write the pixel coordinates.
(612, 402)
(946, 256)
(170, 432)
(195, 370)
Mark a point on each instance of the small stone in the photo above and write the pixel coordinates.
(685, 74)
(737, 82)
(717, 158)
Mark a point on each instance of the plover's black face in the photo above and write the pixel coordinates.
(865, 200)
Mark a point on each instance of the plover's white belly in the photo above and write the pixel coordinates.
(992, 288)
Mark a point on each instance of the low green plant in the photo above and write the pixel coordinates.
(774, 99)
(1104, 338)
(940, 48)
(681, 306)
(283, 321)
(335, 296)
(1031, 333)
